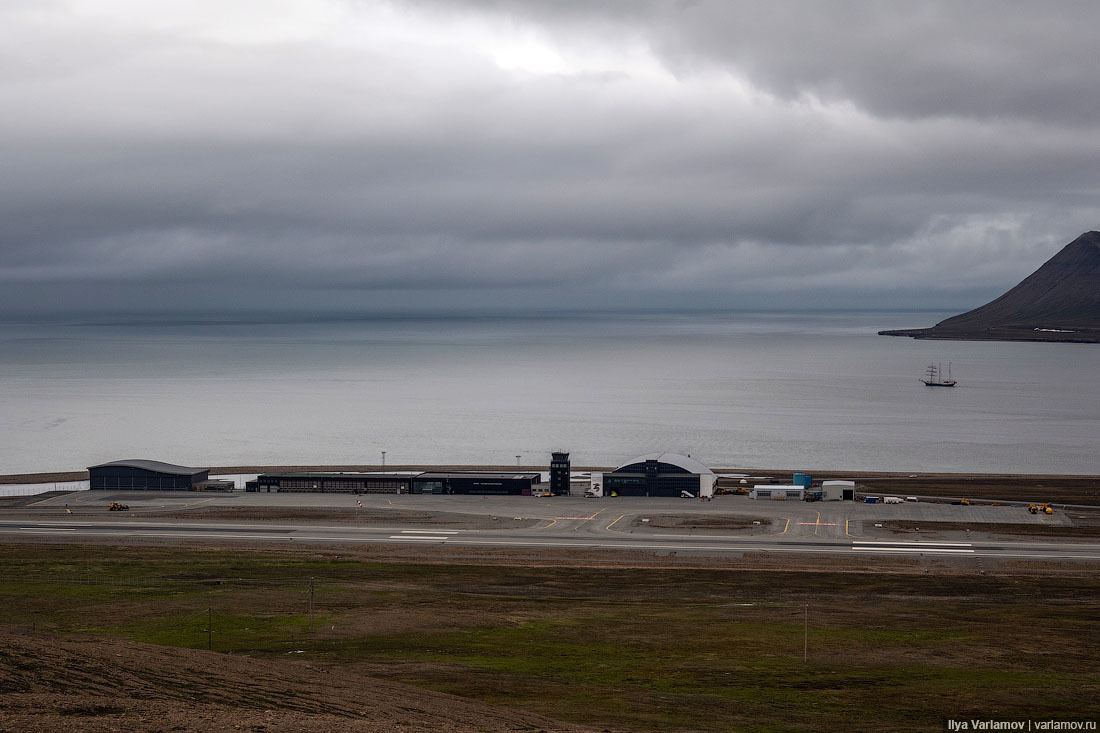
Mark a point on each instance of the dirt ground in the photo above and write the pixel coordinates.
(329, 515)
(51, 683)
(1084, 491)
(703, 522)
(610, 633)
(1082, 527)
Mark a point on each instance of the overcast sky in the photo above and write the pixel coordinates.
(239, 155)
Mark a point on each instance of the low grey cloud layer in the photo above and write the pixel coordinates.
(429, 154)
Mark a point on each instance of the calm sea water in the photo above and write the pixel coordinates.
(733, 390)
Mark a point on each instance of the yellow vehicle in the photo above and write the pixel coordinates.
(114, 506)
(1045, 508)
(1033, 508)
(723, 491)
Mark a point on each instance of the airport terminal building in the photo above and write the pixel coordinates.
(458, 482)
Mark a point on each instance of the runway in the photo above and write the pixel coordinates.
(561, 534)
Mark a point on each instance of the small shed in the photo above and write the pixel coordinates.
(838, 490)
(778, 493)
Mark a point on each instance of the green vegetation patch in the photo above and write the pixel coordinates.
(636, 649)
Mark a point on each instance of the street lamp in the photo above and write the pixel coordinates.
(517, 461)
(383, 460)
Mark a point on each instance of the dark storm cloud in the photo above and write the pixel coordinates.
(504, 153)
(984, 58)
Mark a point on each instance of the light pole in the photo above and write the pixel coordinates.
(806, 633)
(517, 461)
(383, 460)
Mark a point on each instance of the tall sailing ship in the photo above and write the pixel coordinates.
(933, 377)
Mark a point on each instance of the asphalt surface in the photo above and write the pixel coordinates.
(560, 522)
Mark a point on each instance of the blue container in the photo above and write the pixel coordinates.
(871, 499)
(803, 479)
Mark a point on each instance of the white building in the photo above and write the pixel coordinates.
(838, 490)
(778, 493)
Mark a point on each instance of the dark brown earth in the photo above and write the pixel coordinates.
(1083, 527)
(50, 683)
(1058, 302)
(696, 521)
(1078, 490)
(365, 516)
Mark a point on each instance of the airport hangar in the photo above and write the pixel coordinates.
(660, 474)
(131, 475)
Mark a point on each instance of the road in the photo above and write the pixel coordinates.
(563, 532)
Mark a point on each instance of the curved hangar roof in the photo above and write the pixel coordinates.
(686, 463)
(155, 466)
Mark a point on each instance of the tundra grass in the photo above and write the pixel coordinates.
(632, 649)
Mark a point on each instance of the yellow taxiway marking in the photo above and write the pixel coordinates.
(817, 523)
(846, 528)
(786, 526)
(608, 527)
(552, 523)
(587, 519)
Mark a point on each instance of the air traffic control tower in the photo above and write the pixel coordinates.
(559, 474)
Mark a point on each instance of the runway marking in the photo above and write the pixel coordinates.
(43, 501)
(194, 535)
(912, 549)
(819, 524)
(833, 548)
(429, 531)
(63, 524)
(904, 542)
(608, 527)
(586, 519)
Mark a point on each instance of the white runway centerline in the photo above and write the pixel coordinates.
(913, 549)
(906, 542)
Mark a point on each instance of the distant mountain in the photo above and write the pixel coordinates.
(1058, 302)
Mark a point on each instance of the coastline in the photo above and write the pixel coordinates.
(1003, 334)
(827, 474)
(1074, 489)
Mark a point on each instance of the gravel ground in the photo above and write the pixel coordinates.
(50, 683)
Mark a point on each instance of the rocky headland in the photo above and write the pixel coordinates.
(1058, 302)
